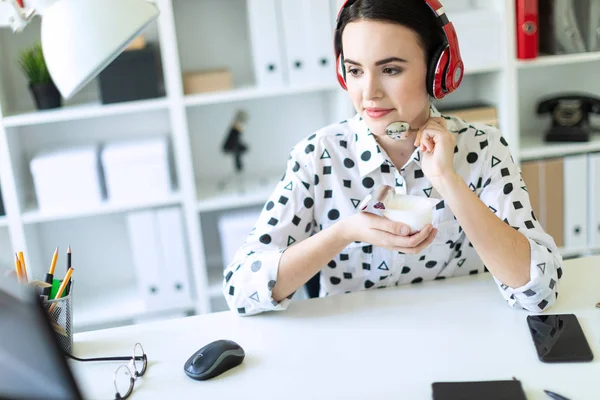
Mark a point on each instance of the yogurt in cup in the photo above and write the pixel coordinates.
(414, 211)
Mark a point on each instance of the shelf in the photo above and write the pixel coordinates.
(36, 216)
(119, 307)
(562, 59)
(534, 147)
(570, 253)
(83, 111)
(251, 93)
(483, 70)
(249, 193)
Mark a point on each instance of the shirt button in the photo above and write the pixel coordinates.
(400, 185)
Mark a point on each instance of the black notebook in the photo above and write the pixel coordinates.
(488, 390)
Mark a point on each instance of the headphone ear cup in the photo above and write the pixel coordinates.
(435, 81)
(341, 72)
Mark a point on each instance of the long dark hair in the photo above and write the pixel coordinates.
(414, 14)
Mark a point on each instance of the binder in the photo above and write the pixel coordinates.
(172, 243)
(575, 198)
(294, 14)
(559, 28)
(527, 28)
(147, 257)
(594, 200)
(553, 208)
(530, 173)
(545, 186)
(269, 69)
(318, 24)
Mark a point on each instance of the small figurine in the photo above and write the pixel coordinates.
(234, 144)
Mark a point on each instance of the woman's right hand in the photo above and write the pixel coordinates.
(382, 232)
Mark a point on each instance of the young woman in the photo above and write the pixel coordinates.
(394, 56)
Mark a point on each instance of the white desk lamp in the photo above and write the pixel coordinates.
(80, 37)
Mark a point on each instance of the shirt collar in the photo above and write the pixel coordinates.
(370, 155)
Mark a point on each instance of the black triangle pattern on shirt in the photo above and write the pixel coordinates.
(291, 240)
(254, 296)
(306, 185)
(480, 133)
(472, 187)
(495, 161)
(289, 186)
(428, 191)
(325, 155)
(493, 209)
(383, 266)
(542, 267)
(418, 156)
(461, 262)
(355, 202)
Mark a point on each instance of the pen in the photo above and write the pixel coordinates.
(50, 275)
(62, 287)
(23, 266)
(555, 396)
(68, 268)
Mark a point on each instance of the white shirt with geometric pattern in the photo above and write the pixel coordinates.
(330, 172)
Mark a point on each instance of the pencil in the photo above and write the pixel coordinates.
(18, 268)
(69, 267)
(50, 275)
(23, 266)
(53, 264)
(62, 287)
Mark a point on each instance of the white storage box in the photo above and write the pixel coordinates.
(67, 179)
(137, 170)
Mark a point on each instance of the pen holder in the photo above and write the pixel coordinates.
(61, 318)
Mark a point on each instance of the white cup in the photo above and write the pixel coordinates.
(414, 211)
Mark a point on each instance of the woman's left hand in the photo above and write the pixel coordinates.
(436, 144)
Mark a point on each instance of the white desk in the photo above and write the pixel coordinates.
(380, 344)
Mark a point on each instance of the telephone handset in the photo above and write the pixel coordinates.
(570, 116)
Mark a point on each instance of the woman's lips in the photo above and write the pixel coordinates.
(378, 112)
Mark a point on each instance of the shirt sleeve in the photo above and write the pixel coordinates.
(287, 218)
(506, 195)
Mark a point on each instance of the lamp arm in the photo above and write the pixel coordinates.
(16, 14)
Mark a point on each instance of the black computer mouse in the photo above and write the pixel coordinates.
(214, 359)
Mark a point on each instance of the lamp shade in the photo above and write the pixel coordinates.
(81, 37)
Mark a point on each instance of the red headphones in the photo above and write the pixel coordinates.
(444, 70)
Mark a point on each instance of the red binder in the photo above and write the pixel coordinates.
(527, 29)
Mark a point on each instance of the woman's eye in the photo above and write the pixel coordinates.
(353, 71)
(391, 71)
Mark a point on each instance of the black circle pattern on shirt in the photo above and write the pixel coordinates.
(265, 239)
(368, 182)
(472, 158)
(348, 163)
(333, 214)
(365, 156)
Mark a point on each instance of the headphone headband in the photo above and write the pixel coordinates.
(445, 72)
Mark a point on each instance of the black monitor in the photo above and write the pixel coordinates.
(32, 365)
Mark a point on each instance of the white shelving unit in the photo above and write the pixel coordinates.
(202, 34)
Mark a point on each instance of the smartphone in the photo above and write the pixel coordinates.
(559, 338)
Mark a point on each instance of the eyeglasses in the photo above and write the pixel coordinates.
(125, 375)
